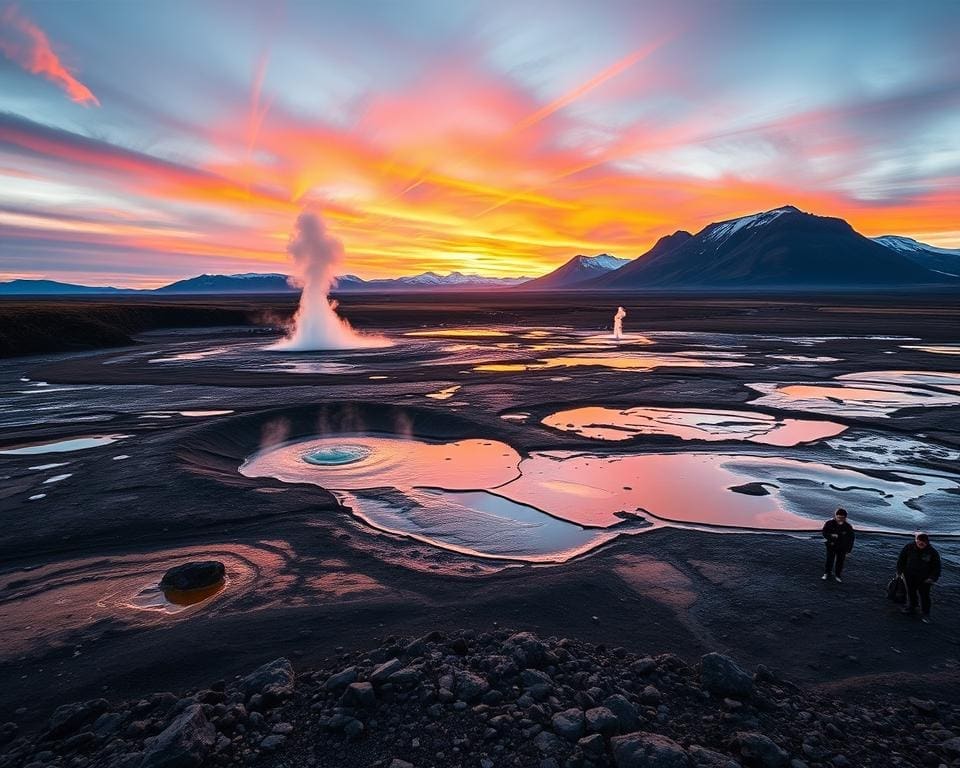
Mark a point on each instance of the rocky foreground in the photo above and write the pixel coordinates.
(495, 699)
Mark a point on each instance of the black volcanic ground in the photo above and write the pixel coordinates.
(81, 541)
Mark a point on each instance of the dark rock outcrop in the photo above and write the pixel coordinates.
(198, 575)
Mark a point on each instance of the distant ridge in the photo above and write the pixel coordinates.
(575, 272)
(55, 288)
(265, 283)
(945, 260)
(270, 282)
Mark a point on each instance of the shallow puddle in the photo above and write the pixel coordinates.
(460, 333)
(805, 358)
(858, 398)
(63, 446)
(303, 367)
(477, 523)
(153, 598)
(935, 349)
(444, 394)
(192, 355)
(637, 361)
(935, 379)
(600, 423)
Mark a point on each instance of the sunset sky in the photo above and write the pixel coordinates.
(143, 142)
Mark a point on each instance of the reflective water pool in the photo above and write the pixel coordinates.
(601, 423)
(481, 498)
(63, 446)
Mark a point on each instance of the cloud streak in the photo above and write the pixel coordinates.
(25, 44)
(425, 151)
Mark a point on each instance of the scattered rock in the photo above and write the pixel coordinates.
(648, 750)
(272, 742)
(720, 675)
(602, 720)
(923, 705)
(469, 686)
(67, 718)
(569, 724)
(359, 695)
(383, 672)
(273, 680)
(759, 751)
(496, 700)
(526, 649)
(184, 743)
(341, 679)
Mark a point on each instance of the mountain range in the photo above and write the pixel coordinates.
(268, 282)
(780, 249)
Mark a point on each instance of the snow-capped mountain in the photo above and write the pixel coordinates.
(426, 281)
(722, 230)
(575, 272)
(782, 249)
(945, 260)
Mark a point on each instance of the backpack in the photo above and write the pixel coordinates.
(897, 590)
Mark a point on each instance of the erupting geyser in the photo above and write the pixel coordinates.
(316, 326)
(618, 323)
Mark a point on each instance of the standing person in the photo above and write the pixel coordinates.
(919, 564)
(838, 535)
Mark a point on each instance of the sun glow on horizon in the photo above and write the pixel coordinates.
(465, 142)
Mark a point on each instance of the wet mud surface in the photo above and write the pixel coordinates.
(662, 493)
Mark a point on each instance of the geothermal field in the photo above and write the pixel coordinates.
(479, 384)
(472, 463)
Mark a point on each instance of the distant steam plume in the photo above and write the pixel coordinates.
(24, 43)
(618, 323)
(317, 256)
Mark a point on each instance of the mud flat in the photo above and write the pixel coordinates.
(120, 464)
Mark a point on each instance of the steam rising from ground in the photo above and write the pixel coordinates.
(317, 256)
(618, 323)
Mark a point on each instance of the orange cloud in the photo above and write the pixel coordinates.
(435, 175)
(24, 43)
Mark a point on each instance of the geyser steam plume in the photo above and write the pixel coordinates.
(618, 323)
(317, 256)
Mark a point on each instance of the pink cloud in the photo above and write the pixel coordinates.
(24, 43)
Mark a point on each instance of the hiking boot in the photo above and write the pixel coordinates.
(824, 577)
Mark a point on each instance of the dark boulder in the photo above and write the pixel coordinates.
(198, 575)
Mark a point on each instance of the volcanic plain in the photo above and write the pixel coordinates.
(504, 462)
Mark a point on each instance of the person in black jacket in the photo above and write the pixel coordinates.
(919, 564)
(839, 536)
